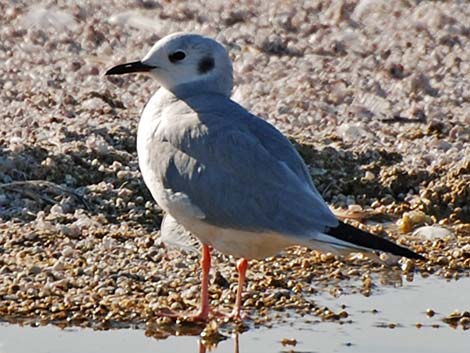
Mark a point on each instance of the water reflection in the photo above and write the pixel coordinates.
(369, 284)
(205, 346)
(209, 335)
(386, 322)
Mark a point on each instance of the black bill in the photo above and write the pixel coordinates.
(135, 66)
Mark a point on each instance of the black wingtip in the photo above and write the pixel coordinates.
(350, 234)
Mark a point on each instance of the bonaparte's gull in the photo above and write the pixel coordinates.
(224, 175)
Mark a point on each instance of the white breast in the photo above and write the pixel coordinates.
(151, 123)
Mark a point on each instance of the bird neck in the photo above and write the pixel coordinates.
(210, 84)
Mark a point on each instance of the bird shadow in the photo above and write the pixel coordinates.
(35, 178)
(374, 174)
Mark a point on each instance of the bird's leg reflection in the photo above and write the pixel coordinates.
(204, 345)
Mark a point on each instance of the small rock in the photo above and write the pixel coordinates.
(355, 208)
(67, 251)
(31, 236)
(411, 219)
(407, 266)
(369, 176)
(289, 342)
(57, 210)
(352, 132)
(34, 270)
(48, 17)
(58, 266)
(71, 231)
(433, 233)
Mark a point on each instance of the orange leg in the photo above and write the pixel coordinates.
(242, 265)
(203, 313)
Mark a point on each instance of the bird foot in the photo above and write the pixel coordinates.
(202, 315)
(236, 315)
(199, 316)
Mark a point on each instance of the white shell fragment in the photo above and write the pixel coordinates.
(433, 232)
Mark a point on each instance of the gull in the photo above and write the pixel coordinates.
(224, 175)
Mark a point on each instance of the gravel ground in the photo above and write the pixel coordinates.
(375, 94)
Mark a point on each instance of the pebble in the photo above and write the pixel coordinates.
(67, 251)
(433, 233)
(407, 266)
(289, 342)
(355, 208)
(369, 176)
(457, 318)
(31, 236)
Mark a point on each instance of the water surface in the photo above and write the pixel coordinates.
(368, 330)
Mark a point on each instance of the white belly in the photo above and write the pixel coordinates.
(238, 243)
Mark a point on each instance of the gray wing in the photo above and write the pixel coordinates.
(240, 172)
(281, 148)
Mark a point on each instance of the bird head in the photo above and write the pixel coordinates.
(185, 60)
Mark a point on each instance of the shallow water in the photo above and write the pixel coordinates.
(368, 332)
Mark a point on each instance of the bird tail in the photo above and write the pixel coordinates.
(345, 234)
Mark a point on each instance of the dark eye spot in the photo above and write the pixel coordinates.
(176, 56)
(206, 64)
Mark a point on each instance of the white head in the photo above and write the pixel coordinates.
(183, 61)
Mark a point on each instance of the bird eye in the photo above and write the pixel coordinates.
(177, 56)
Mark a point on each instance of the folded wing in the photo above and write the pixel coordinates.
(239, 171)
